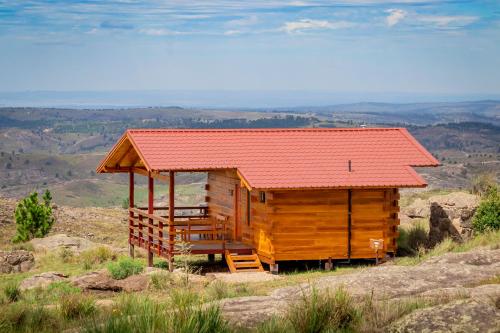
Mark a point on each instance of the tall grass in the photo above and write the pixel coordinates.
(139, 314)
(12, 292)
(317, 312)
(489, 239)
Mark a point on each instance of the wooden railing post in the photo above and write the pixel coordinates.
(150, 220)
(171, 216)
(131, 215)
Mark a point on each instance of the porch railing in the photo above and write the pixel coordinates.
(158, 234)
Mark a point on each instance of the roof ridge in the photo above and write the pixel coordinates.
(315, 129)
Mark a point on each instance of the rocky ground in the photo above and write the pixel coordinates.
(102, 225)
(462, 277)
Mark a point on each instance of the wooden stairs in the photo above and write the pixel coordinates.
(239, 263)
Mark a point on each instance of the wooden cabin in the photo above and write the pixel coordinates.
(271, 194)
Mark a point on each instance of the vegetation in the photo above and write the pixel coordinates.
(96, 256)
(74, 306)
(481, 184)
(489, 238)
(12, 292)
(487, 216)
(33, 218)
(412, 239)
(124, 268)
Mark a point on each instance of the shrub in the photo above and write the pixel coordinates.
(124, 268)
(66, 255)
(74, 306)
(33, 219)
(60, 288)
(218, 290)
(411, 240)
(323, 312)
(12, 292)
(161, 280)
(23, 317)
(487, 216)
(125, 203)
(482, 183)
(96, 256)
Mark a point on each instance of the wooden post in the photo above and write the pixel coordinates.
(273, 268)
(211, 257)
(329, 264)
(171, 214)
(150, 220)
(131, 214)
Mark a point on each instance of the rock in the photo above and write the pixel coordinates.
(55, 242)
(243, 277)
(449, 215)
(42, 280)
(452, 270)
(99, 280)
(102, 281)
(16, 261)
(457, 316)
(134, 283)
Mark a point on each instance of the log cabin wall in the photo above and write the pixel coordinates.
(306, 224)
(313, 224)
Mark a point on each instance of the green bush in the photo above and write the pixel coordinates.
(487, 216)
(12, 292)
(33, 219)
(124, 268)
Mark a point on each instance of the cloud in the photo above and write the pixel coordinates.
(233, 32)
(308, 24)
(448, 21)
(298, 4)
(159, 32)
(395, 16)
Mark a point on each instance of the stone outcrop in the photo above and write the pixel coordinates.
(16, 261)
(452, 273)
(463, 315)
(449, 215)
(102, 281)
(42, 280)
(55, 242)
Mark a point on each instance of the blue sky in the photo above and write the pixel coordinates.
(351, 46)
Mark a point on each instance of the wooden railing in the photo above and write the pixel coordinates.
(157, 234)
(183, 211)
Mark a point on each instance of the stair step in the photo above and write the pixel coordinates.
(252, 264)
(244, 257)
(243, 263)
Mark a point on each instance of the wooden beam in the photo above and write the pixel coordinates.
(171, 216)
(150, 221)
(131, 214)
(120, 160)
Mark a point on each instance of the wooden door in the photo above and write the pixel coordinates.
(237, 213)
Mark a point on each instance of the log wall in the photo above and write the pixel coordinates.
(307, 224)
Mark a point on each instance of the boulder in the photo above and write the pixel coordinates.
(42, 280)
(449, 215)
(16, 261)
(464, 315)
(102, 281)
(55, 242)
(99, 280)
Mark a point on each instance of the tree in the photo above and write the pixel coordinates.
(487, 216)
(33, 218)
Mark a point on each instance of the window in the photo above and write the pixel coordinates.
(262, 196)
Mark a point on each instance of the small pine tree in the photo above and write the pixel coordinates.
(33, 219)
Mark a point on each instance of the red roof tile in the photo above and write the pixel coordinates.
(290, 158)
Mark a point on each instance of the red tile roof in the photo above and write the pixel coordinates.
(289, 158)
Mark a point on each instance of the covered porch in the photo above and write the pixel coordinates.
(170, 230)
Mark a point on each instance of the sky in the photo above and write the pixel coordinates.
(350, 47)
